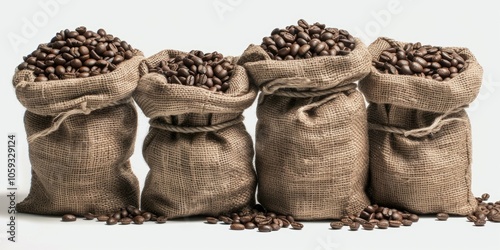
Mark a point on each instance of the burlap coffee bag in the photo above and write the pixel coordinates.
(311, 135)
(420, 137)
(198, 150)
(81, 134)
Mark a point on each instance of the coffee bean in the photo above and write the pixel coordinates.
(394, 223)
(296, 225)
(250, 225)
(354, 226)
(139, 219)
(125, 221)
(111, 221)
(479, 223)
(68, 218)
(89, 216)
(211, 220)
(485, 196)
(161, 219)
(102, 218)
(147, 216)
(336, 224)
(265, 228)
(442, 216)
(237, 226)
(383, 224)
(414, 218)
(406, 222)
(368, 226)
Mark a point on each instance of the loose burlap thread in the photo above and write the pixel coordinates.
(420, 137)
(311, 135)
(198, 150)
(81, 134)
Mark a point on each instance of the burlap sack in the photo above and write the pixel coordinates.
(198, 150)
(81, 134)
(311, 135)
(420, 137)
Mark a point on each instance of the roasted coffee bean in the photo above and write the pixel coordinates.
(250, 225)
(237, 226)
(68, 217)
(212, 220)
(485, 196)
(265, 228)
(394, 223)
(354, 226)
(102, 218)
(442, 216)
(139, 219)
(368, 226)
(89, 216)
(147, 216)
(161, 219)
(407, 222)
(297, 225)
(111, 221)
(275, 227)
(479, 223)
(125, 221)
(383, 224)
(414, 218)
(336, 224)
(471, 218)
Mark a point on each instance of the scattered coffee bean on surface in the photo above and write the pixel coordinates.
(77, 54)
(211, 220)
(256, 217)
(112, 221)
(479, 223)
(237, 226)
(210, 71)
(139, 219)
(161, 219)
(431, 62)
(125, 221)
(383, 224)
(354, 226)
(368, 226)
(336, 224)
(304, 41)
(265, 228)
(68, 218)
(442, 216)
(89, 216)
(102, 218)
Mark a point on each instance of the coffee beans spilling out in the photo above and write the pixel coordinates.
(257, 217)
(76, 54)
(485, 211)
(374, 215)
(423, 61)
(442, 216)
(306, 41)
(124, 216)
(210, 71)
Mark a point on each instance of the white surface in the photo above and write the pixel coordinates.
(184, 25)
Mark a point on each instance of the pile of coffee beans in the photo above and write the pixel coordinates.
(76, 54)
(485, 211)
(210, 71)
(124, 216)
(257, 217)
(426, 61)
(374, 215)
(306, 41)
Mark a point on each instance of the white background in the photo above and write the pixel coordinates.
(229, 26)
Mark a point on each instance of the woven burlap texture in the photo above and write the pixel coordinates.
(193, 172)
(311, 135)
(82, 165)
(425, 173)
